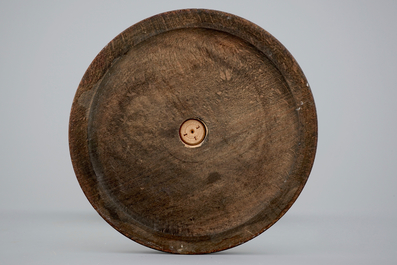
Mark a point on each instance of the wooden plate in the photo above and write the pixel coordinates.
(155, 176)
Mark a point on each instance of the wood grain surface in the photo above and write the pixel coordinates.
(260, 131)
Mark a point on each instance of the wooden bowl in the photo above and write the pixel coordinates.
(155, 176)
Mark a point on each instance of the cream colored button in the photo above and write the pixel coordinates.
(192, 132)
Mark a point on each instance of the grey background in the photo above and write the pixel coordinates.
(347, 211)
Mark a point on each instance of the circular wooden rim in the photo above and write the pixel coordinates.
(183, 19)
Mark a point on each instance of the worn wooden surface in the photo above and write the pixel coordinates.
(259, 147)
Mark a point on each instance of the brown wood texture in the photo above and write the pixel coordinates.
(235, 78)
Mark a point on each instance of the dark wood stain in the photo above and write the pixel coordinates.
(193, 64)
